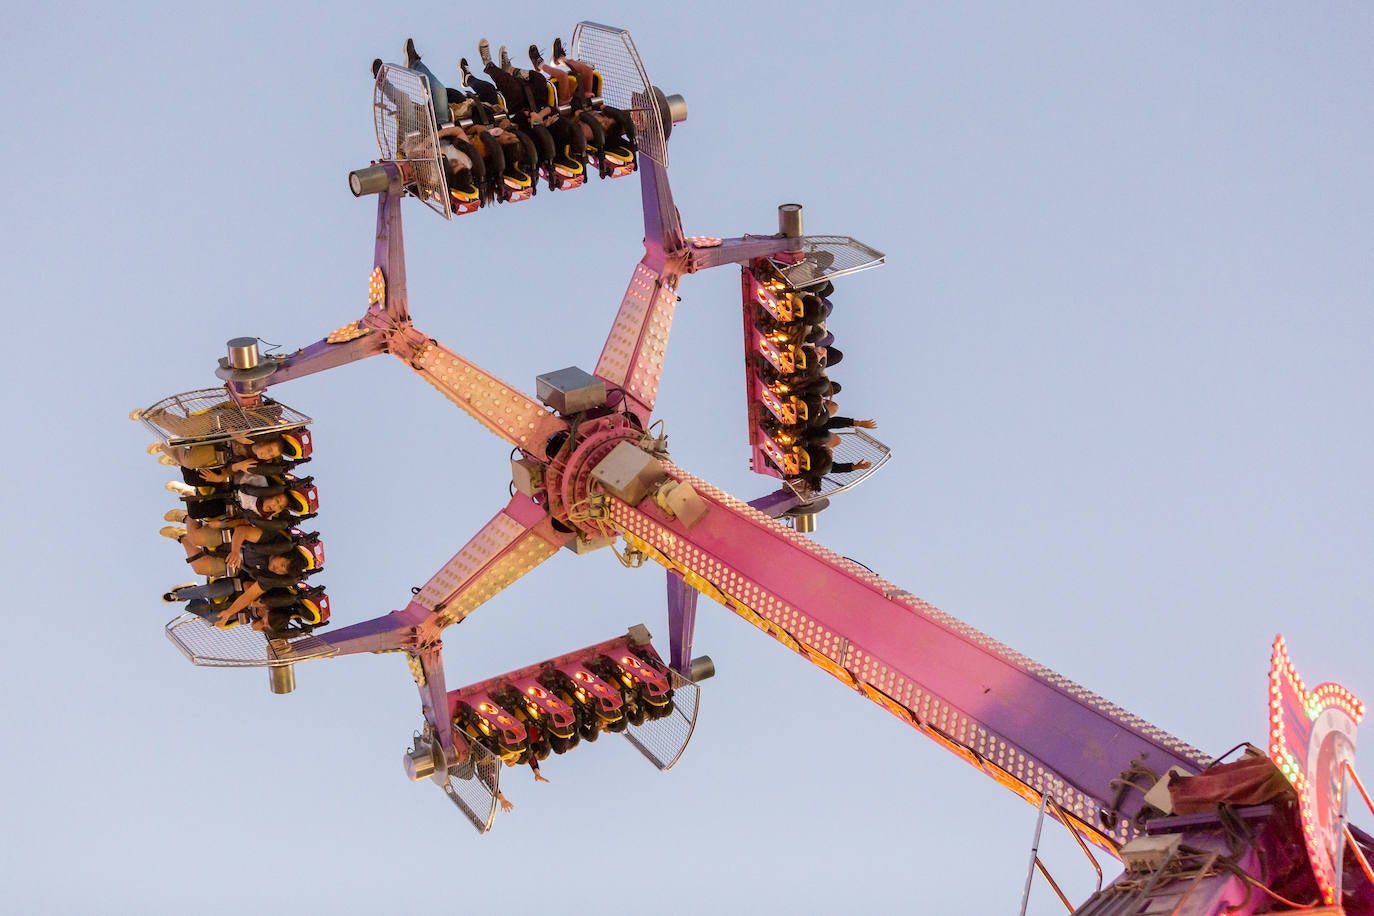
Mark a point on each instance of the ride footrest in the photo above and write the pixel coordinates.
(621, 685)
(210, 415)
(240, 647)
(855, 445)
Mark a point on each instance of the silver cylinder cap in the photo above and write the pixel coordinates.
(701, 668)
(677, 108)
(419, 763)
(371, 180)
(790, 221)
(243, 352)
(283, 678)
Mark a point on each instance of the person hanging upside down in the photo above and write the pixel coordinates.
(438, 93)
(820, 463)
(205, 542)
(837, 422)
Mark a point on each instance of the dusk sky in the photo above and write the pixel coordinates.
(1120, 351)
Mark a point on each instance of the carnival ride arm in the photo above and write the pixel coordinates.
(510, 414)
(1031, 729)
(511, 544)
(738, 251)
(387, 311)
(632, 359)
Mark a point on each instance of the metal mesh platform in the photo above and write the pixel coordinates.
(406, 132)
(624, 83)
(855, 445)
(828, 257)
(210, 415)
(662, 741)
(474, 787)
(241, 647)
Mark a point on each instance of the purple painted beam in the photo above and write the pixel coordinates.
(389, 253)
(738, 251)
(662, 225)
(322, 355)
(682, 621)
(777, 503)
(392, 313)
(380, 634)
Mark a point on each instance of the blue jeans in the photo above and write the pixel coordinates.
(438, 95)
(210, 591)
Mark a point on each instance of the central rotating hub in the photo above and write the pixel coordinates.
(568, 476)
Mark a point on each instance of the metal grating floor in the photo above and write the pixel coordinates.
(406, 132)
(855, 445)
(473, 786)
(828, 257)
(209, 415)
(662, 741)
(240, 647)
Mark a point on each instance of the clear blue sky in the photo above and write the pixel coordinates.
(1120, 349)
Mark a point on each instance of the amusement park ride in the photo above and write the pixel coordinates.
(1264, 833)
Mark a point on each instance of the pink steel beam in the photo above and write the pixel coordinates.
(632, 359)
(505, 411)
(515, 541)
(1032, 729)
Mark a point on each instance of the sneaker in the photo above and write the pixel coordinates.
(505, 59)
(154, 448)
(180, 489)
(464, 74)
(558, 55)
(484, 52)
(412, 56)
(167, 461)
(175, 515)
(376, 66)
(175, 532)
(535, 58)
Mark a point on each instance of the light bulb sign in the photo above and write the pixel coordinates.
(1311, 739)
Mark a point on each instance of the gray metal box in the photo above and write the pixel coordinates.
(580, 544)
(527, 475)
(628, 473)
(1148, 853)
(570, 390)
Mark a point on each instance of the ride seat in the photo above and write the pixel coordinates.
(791, 461)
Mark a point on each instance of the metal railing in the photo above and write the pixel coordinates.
(624, 82)
(210, 415)
(406, 133)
